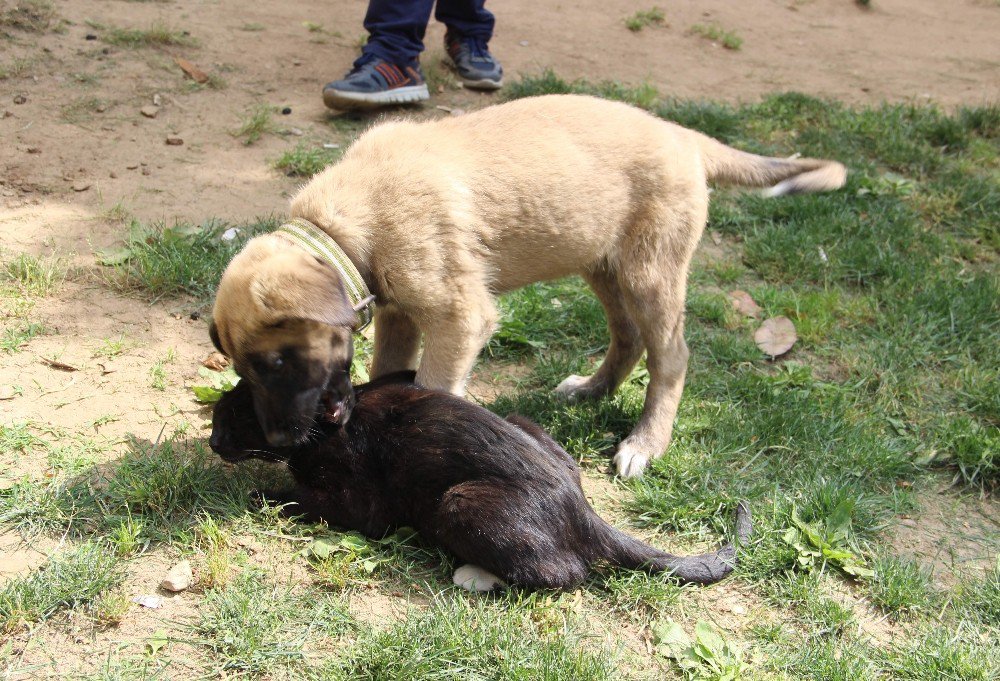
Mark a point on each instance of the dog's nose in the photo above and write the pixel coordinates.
(278, 438)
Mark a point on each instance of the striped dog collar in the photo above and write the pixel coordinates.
(319, 243)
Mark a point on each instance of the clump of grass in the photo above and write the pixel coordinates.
(305, 160)
(728, 39)
(34, 16)
(256, 123)
(645, 95)
(158, 372)
(900, 588)
(33, 275)
(983, 597)
(643, 18)
(110, 608)
(461, 638)
(252, 27)
(253, 627)
(65, 582)
(16, 68)
(14, 338)
(437, 73)
(157, 35)
(82, 109)
(182, 259)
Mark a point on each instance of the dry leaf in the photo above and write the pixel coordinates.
(776, 336)
(744, 304)
(107, 368)
(196, 74)
(216, 361)
(55, 364)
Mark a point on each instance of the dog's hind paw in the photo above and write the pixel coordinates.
(630, 462)
(574, 388)
(474, 578)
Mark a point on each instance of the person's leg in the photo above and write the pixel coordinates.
(396, 30)
(470, 27)
(468, 18)
(387, 72)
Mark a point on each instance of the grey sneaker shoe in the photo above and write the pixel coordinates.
(375, 83)
(472, 60)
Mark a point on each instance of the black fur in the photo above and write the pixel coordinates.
(500, 494)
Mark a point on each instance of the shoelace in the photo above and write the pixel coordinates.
(477, 49)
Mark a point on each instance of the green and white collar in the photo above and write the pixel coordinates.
(319, 243)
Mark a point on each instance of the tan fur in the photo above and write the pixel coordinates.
(440, 217)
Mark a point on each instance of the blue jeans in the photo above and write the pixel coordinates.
(396, 27)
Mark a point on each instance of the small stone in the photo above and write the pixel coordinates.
(195, 316)
(298, 132)
(150, 111)
(81, 186)
(738, 610)
(296, 62)
(7, 113)
(34, 150)
(90, 36)
(178, 578)
(175, 141)
(20, 99)
(145, 170)
(132, 166)
(287, 110)
(101, 108)
(909, 522)
(524, 43)
(157, 99)
(113, 175)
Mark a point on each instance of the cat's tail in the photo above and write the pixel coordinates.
(622, 550)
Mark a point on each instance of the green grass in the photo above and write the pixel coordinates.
(305, 160)
(728, 39)
(253, 627)
(257, 122)
(458, 638)
(643, 18)
(33, 16)
(183, 259)
(157, 35)
(14, 338)
(72, 579)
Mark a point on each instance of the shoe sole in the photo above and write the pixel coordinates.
(473, 83)
(338, 99)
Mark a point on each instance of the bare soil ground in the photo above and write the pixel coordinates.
(76, 155)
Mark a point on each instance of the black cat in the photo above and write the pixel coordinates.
(499, 494)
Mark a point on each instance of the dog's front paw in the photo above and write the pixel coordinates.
(631, 461)
(574, 388)
(474, 578)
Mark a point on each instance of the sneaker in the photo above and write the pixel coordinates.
(374, 83)
(472, 60)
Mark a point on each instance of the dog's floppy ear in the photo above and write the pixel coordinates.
(213, 333)
(312, 290)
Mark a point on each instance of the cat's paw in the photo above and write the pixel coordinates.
(474, 578)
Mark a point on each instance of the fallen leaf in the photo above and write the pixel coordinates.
(156, 642)
(215, 361)
(192, 71)
(744, 304)
(148, 601)
(113, 256)
(56, 364)
(776, 336)
(81, 186)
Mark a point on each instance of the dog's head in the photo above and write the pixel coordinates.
(283, 318)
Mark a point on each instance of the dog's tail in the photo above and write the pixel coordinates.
(779, 176)
(624, 551)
